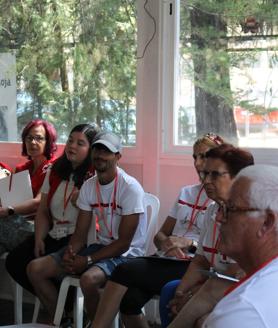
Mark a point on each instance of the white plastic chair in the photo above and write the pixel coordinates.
(18, 299)
(152, 206)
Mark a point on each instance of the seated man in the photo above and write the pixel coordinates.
(249, 235)
(117, 200)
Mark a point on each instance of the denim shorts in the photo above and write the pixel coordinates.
(106, 265)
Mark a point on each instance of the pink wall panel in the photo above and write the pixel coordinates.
(10, 153)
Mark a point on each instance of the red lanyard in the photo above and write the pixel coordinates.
(215, 241)
(101, 205)
(237, 284)
(192, 217)
(67, 199)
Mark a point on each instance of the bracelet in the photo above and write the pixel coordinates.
(90, 261)
(179, 293)
(189, 294)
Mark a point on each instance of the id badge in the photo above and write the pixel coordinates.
(61, 232)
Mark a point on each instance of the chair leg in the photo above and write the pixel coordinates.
(116, 322)
(78, 308)
(61, 302)
(18, 303)
(36, 310)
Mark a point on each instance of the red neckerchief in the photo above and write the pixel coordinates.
(199, 208)
(215, 241)
(101, 205)
(67, 199)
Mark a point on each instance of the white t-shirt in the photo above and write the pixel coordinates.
(253, 304)
(64, 220)
(129, 199)
(186, 209)
(208, 240)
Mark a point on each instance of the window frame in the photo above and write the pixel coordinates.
(169, 52)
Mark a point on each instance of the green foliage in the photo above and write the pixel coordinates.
(76, 60)
(211, 33)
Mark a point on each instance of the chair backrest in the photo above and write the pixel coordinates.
(152, 205)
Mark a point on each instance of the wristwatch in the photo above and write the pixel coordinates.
(11, 210)
(194, 243)
(193, 247)
(90, 261)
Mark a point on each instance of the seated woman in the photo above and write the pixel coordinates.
(142, 278)
(39, 145)
(56, 216)
(195, 294)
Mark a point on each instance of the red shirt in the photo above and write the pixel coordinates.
(38, 176)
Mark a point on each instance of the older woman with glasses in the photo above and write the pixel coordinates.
(38, 145)
(196, 294)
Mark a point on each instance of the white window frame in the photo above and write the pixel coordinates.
(169, 53)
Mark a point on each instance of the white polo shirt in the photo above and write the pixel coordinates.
(188, 208)
(207, 246)
(122, 197)
(253, 304)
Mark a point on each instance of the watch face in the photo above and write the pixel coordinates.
(192, 249)
(10, 211)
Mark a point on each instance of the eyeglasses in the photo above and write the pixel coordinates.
(214, 175)
(214, 137)
(37, 139)
(233, 209)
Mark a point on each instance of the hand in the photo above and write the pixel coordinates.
(174, 241)
(175, 252)
(179, 300)
(39, 248)
(68, 258)
(78, 265)
(3, 212)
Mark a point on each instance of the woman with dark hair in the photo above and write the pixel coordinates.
(57, 213)
(38, 145)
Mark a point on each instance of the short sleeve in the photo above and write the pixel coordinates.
(46, 186)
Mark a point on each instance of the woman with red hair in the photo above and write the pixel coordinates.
(38, 145)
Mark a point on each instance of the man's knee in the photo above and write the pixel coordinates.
(92, 279)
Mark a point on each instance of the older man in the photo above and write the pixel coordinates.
(249, 234)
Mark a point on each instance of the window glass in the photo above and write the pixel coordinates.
(75, 62)
(228, 69)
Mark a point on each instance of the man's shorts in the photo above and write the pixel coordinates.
(106, 265)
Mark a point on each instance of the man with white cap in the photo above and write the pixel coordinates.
(249, 234)
(117, 200)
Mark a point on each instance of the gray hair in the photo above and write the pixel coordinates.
(263, 190)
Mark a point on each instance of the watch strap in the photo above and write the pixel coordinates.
(90, 261)
(11, 210)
